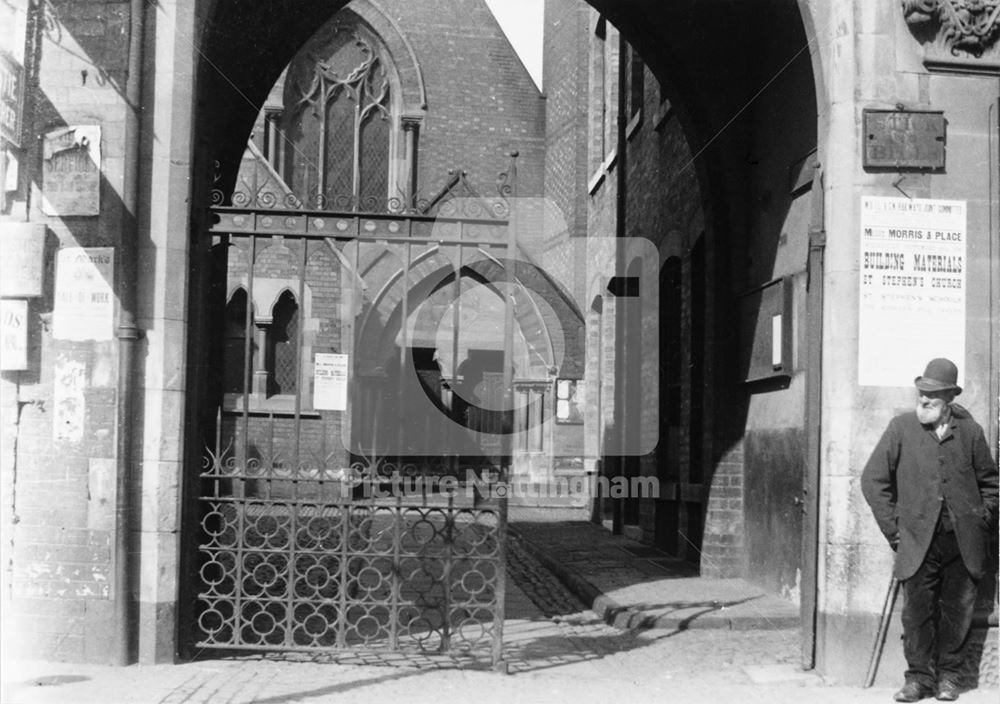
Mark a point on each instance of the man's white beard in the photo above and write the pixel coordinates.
(929, 415)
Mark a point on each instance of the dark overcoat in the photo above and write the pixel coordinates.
(911, 474)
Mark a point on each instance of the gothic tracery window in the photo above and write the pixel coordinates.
(338, 120)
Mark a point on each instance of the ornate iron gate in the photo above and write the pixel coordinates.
(338, 509)
(318, 574)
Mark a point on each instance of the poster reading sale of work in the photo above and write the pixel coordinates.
(85, 301)
(912, 279)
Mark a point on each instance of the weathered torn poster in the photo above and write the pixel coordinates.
(71, 171)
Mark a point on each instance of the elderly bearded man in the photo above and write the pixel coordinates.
(932, 486)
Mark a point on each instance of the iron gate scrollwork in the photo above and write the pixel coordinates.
(301, 547)
(315, 574)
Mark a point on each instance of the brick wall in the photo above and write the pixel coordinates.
(723, 553)
(566, 48)
(663, 204)
(58, 461)
(481, 102)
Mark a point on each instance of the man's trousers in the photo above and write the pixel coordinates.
(938, 601)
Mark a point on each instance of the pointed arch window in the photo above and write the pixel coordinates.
(234, 351)
(272, 366)
(338, 115)
(282, 346)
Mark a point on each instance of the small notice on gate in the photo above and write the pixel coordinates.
(912, 279)
(330, 382)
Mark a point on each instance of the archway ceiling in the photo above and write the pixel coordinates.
(700, 49)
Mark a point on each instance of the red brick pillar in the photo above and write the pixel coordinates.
(723, 553)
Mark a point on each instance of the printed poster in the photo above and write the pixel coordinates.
(69, 400)
(23, 247)
(71, 171)
(913, 287)
(13, 335)
(85, 302)
(330, 382)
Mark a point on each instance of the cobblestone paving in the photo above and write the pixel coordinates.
(540, 585)
(705, 655)
(556, 650)
(563, 631)
(547, 627)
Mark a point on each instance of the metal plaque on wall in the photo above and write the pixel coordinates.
(904, 140)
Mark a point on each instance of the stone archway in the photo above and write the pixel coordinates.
(742, 140)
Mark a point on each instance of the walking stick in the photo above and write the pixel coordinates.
(883, 629)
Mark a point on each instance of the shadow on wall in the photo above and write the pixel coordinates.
(82, 403)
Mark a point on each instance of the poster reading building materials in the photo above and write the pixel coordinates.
(330, 382)
(85, 302)
(71, 171)
(912, 279)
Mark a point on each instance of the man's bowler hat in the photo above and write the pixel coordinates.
(940, 375)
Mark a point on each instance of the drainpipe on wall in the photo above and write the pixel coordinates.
(620, 404)
(128, 334)
(811, 508)
(993, 127)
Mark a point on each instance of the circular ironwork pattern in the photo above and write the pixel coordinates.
(312, 575)
(477, 534)
(367, 624)
(216, 619)
(496, 208)
(214, 524)
(217, 575)
(424, 630)
(315, 625)
(263, 623)
(473, 628)
(317, 577)
(265, 575)
(319, 532)
(372, 579)
(266, 528)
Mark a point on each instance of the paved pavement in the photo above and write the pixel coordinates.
(557, 649)
(637, 586)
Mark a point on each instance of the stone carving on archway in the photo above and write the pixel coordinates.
(962, 28)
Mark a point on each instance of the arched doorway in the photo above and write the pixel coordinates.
(741, 145)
